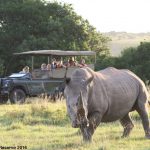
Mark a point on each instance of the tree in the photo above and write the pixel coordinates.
(36, 24)
(127, 58)
(142, 60)
(137, 59)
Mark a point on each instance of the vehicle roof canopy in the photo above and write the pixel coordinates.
(57, 53)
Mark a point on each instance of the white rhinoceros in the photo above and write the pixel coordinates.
(105, 96)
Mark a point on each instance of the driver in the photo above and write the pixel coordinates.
(25, 70)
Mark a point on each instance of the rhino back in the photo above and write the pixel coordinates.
(115, 93)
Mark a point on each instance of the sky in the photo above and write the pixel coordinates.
(114, 15)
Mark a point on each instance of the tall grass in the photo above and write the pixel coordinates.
(45, 126)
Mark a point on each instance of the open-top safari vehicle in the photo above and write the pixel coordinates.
(18, 86)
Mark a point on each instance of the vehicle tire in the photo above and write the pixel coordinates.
(3, 100)
(17, 96)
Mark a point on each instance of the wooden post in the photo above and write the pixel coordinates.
(32, 63)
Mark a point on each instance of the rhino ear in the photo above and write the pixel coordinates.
(92, 75)
(88, 81)
(67, 80)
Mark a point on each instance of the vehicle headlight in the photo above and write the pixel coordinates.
(6, 84)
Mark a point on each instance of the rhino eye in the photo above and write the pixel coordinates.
(77, 104)
(69, 106)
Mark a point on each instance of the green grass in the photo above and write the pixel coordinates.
(45, 126)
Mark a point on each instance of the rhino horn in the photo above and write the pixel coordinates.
(80, 100)
(82, 111)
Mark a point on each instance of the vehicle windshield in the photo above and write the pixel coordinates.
(17, 75)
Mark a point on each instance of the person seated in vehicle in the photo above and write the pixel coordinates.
(53, 64)
(82, 63)
(26, 70)
(60, 64)
(48, 67)
(65, 63)
(71, 62)
(44, 73)
(43, 66)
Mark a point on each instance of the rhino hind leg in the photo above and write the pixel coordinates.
(127, 125)
(142, 110)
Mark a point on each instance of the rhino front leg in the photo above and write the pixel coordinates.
(127, 125)
(88, 131)
(142, 110)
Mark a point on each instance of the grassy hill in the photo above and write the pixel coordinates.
(122, 40)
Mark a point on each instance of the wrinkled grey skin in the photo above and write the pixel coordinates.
(105, 96)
